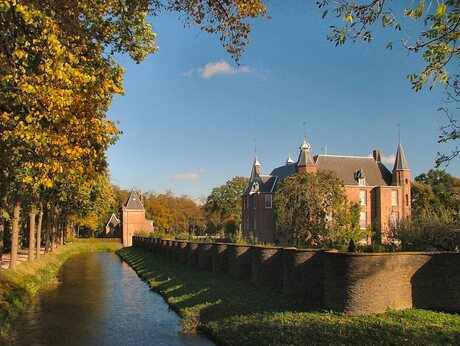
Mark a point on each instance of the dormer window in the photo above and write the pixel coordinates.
(255, 186)
(359, 177)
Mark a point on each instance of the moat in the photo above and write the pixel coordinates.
(100, 301)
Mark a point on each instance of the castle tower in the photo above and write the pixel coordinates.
(305, 163)
(255, 169)
(401, 177)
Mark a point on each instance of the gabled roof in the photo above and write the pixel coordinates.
(400, 161)
(134, 202)
(113, 220)
(263, 183)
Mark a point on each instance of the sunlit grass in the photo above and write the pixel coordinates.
(17, 288)
(237, 313)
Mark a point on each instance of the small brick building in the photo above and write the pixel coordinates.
(132, 220)
(384, 195)
(112, 228)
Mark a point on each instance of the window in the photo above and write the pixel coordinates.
(394, 218)
(254, 201)
(363, 220)
(246, 219)
(361, 181)
(394, 197)
(268, 201)
(407, 200)
(363, 197)
(255, 223)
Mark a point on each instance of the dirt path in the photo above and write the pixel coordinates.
(22, 257)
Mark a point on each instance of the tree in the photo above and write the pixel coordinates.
(436, 42)
(223, 205)
(436, 192)
(312, 209)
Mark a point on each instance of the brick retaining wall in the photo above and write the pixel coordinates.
(353, 283)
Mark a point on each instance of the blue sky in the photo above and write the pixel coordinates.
(190, 115)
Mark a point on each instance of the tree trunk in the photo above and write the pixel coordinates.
(15, 236)
(52, 236)
(3, 207)
(61, 233)
(39, 231)
(32, 232)
(47, 230)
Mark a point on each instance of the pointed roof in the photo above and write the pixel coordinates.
(134, 202)
(400, 161)
(305, 156)
(113, 220)
(255, 169)
(289, 160)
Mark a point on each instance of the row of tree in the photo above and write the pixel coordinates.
(58, 75)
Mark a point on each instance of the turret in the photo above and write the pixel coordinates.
(401, 177)
(255, 169)
(401, 170)
(305, 163)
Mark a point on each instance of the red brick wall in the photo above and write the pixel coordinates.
(133, 221)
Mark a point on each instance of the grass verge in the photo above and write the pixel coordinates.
(233, 312)
(17, 288)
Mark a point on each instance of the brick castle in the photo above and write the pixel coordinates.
(384, 195)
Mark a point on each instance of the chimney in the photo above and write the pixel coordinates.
(377, 156)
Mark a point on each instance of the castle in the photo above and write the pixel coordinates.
(384, 196)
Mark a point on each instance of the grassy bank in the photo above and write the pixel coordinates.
(236, 313)
(17, 288)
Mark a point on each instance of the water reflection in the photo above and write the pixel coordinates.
(100, 301)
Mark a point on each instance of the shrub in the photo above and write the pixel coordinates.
(183, 236)
(432, 232)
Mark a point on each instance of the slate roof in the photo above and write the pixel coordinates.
(400, 161)
(134, 202)
(376, 173)
(305, 156)
(263, 183)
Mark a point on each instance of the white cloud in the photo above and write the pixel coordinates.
(221, 67)
(390, 159)
(188, 73)
(186, 176)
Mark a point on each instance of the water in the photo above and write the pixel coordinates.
(100, 301)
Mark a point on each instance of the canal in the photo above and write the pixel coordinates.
(100, 301)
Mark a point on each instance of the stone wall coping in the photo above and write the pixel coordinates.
(398, 253)
(328, 251)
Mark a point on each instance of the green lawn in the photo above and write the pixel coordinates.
(17, 288)
(234, 312)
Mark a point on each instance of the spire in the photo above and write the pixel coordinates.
(400, 161)
(305, 163)
(305, 156)
(289, 160)
(255, 169)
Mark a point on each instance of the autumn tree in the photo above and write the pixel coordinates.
(312, 209)
(435, 40)
(59, 74)
(435, 193)
(223, 205)
(174, 214)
